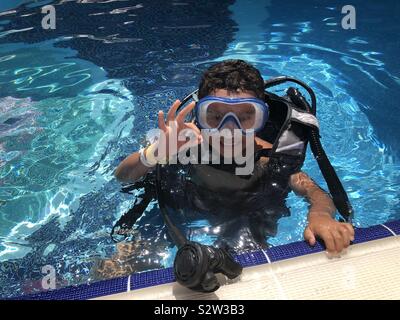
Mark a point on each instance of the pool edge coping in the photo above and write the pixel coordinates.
(156, 277)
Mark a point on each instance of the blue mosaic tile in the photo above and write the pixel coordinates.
(297, 249)
(82, 292)
(152, 278)
(394, 226)
(370, 233)
(251, 258)
(162, 276)
(292, 250)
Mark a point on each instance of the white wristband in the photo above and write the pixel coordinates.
(144, 160)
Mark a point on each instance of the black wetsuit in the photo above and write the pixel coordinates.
(244, 208)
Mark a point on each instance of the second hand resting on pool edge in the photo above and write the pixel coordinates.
(231, 95)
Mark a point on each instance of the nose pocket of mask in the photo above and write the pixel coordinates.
(230, 117)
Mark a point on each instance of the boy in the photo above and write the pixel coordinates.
(231, 97)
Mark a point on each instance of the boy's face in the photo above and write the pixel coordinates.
(241, 112)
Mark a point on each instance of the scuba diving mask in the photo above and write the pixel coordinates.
(246, 114)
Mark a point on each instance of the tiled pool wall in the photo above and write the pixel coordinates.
(163, 276)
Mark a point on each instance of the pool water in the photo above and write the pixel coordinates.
(76, 100)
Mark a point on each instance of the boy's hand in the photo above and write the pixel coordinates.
(336, 235)
(174, 127)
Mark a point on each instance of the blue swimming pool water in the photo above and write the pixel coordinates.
(76, 100)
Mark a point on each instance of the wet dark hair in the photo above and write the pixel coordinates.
(232, 75)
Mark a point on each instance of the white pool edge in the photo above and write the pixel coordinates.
(369, 270)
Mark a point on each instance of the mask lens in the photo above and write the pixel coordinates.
(217, 112)
(243, 113)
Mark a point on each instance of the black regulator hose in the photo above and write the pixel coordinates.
(339, 195)
(177, 236)
(282, 79)
(195, 265)
(335, 187)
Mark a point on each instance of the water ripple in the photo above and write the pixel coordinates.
(8, 32)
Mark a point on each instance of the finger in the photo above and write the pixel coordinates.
(182, 114)
(345, 235)
(192, 139)
(350, 228)
(172, 111)
(309, 236)
(338, 240)
(329, 241)
(161, 122)
(187, 134)
(194, 128)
